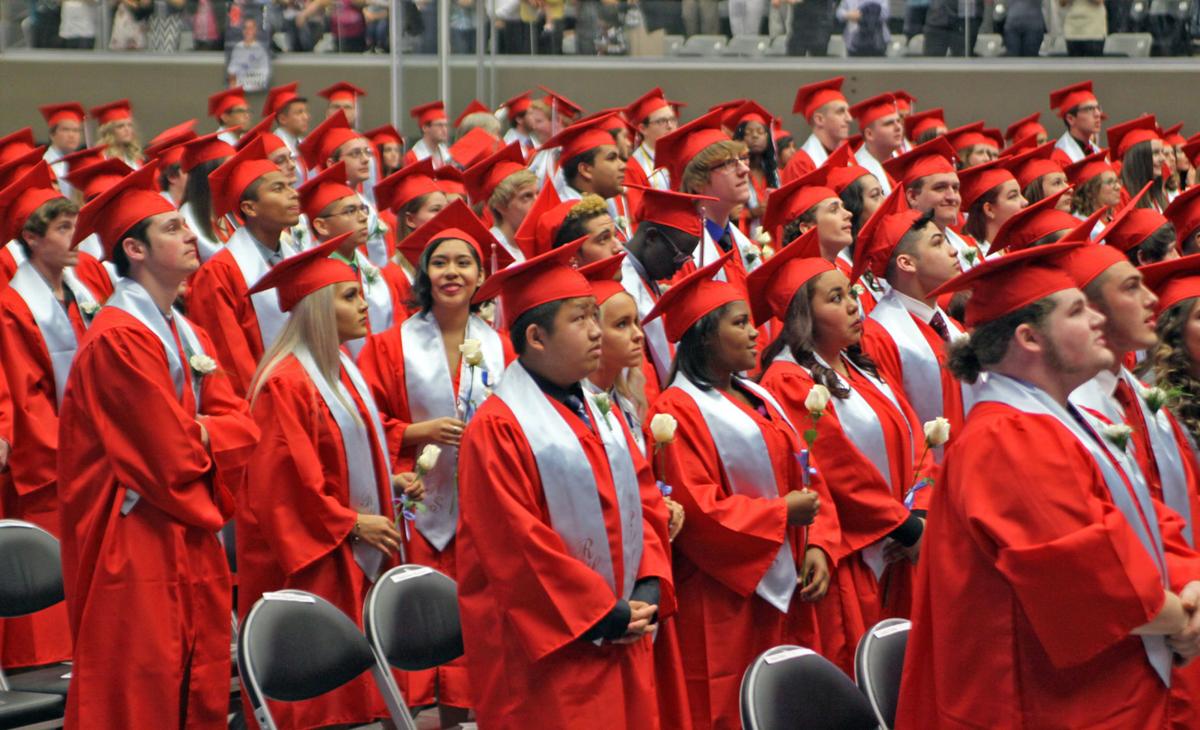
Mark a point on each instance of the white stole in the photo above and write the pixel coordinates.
(360, 463)
(375, 291)
(815, 150)
(708, 251)
(51, 319)
(1028, 399)
(569, 484)
(130, 297)
(660, 179)
(745, 463)
(505, 244)
(14, 249)
(1068, 145)
(873, 166)
(661, 351)
(430, 392)
(961, 246)
(92, 246)
(376, 231)
(250, 262)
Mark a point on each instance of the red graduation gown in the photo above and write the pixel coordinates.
(218, 302)
(525, 601)
(293, 526)
(28, 489)
(382, 365)
(1025, 548)
(94, 276)
(727, 544)
(148, 593)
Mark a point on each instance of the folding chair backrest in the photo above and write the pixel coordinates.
(411, 617)
(878, 664)
(790, 687)
(30, 569)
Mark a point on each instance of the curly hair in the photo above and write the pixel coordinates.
(1168, 365)
(988, 344)
(575, 225)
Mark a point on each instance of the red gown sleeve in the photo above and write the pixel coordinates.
(382, 365)
(232, 433)
(213, 303)
(93, 274)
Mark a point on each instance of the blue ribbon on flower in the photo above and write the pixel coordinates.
(664, 488)
(806, 472)
(911, 496)
(406, 510)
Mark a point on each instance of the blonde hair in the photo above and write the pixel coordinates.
(589, 206)
(631, 384)
(121, 150)
(696, 174)
(489, 123)
(509, 186)
(312, 325)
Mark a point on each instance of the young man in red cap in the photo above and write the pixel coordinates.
(1080, 111)
(1030, 126)
(291, 115)
(44, 311)
(827, 112)
(435, 133)
(250, 188)
(232, 112)
(343, 97)
(929, 177)
(167, 148)
(548, 487)
(591, 164)
(519, 128)
(503, 186)
(883, 135)
(66, 135)
(147, 488)
(654, 116)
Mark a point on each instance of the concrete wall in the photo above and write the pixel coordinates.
(168, 89)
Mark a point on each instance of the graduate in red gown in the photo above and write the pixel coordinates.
(315, 513)
(1039, 537)
(429, 374)
(43, 314)
(868, 444)
(144, 490)
(827, 112)
(562, 564)
(734, 467)
(250, 188)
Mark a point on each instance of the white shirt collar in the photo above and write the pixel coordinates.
(918, 308)
(1108, 381)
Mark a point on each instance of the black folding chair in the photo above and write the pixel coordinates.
(294, 646)
(790, 687)
(878, 663)
(30, 580)
(411, 621)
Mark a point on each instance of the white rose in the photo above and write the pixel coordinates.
(428, 458)
(89, 308)
(1118, 434)
(202, 364)
(761, 236)
(662, 427)
(937, 431)
(1155, 397)
(472, 352)
(817, 399)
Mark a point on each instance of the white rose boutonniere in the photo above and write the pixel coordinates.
(1117, 434)
(202, 364)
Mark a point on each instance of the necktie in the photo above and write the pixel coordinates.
(575, 403)
(938, 323)
(725, 241)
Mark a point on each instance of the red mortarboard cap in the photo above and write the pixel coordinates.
(229, 181)
(1184, 213)
(748, 111)
(1085, 262)
(168, 145)
(580, 137)
(115, 211)
(56, 113)
(536, 281)
(450, 181)
(412, 181)
(1123, 136)
(613, 120)
(1192, 151)
(1088, 167)
(973, 134)
(881, 233)
(672, 209)
(279, 97)
(1132, 225)
(1024, 127)
(475, 107)
(904, 100)
(917, 124)
(1082, 232)
(99, 176)
(675, 150)
(561, 104)
(271, 141)
(537, 232)
(1005, 284)
(485, 176)
(23, 196)
(516, 105)
(327, 187)
(205, 149)
(692, 297)
(85, 156)
(474, 146)
(342, 91)
(1069, 97)
(386, 134)
(323, 141)
(20, 164)
(1173, 281)
(454, 221)
(114, 111)
(427, 113)
(646, 104)
(223, 101)
(1173, 135)
(16, 144)
(602, 276)
(793, 199)
(298, 276)
(931, 158)
(1030, 165)
(773, 284)
(811, 97)
(976, 181)
(877, 107)
(1033, 223)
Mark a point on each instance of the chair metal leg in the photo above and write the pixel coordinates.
(396, 705)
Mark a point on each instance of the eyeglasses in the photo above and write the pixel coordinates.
(678, 258)
(360, 153)
(663, 122)
(350, 211)
(1088, 109)
(731, 163)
